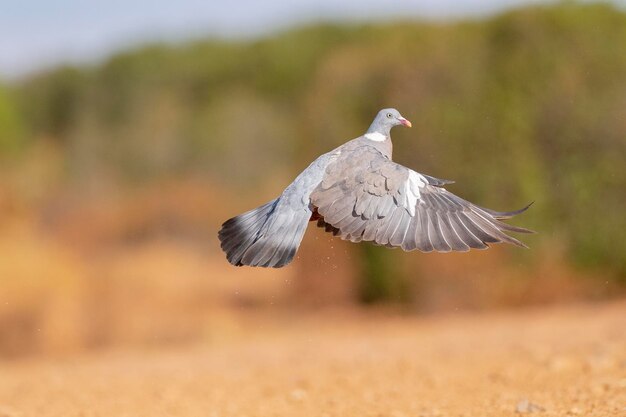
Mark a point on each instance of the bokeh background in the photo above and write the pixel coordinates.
(122, 152)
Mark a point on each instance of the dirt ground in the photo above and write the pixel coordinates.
(557, 361)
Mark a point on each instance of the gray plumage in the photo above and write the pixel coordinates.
(358, 193)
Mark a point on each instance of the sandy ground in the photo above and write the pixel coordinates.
(558, 361)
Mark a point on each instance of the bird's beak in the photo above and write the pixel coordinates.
(404, 121)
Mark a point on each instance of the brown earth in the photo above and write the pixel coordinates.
(558, 361)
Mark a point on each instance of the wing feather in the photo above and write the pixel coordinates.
(410, 242)
(434, 231)
(451, 236)
(397, 239)
(387, 228)
(422, 233)
(465, 234)
(368, 197)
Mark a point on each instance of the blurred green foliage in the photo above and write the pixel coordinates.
(527, 105)
(381, 277)
(12, 131)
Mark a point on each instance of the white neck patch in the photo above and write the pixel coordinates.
(376, 137)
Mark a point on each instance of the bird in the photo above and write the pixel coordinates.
(356, 192)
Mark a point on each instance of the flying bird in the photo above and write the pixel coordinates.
(358, 193)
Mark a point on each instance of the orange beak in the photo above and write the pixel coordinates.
(404, 121)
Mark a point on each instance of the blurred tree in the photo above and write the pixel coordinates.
(12, 134)
(381, 277)
(527, 105)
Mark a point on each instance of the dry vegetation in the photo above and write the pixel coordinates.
(144, 269)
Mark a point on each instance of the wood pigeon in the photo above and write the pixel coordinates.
(358, 193)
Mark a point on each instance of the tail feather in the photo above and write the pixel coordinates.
(238, 233)
(267, 236)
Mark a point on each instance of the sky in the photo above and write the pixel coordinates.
(37, 34)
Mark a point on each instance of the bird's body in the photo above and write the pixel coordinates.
(359, 194)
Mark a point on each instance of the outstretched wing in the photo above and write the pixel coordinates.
(367, 197)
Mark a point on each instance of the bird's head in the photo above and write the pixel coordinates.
(385, 120)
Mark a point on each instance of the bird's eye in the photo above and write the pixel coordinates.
(389, 115)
